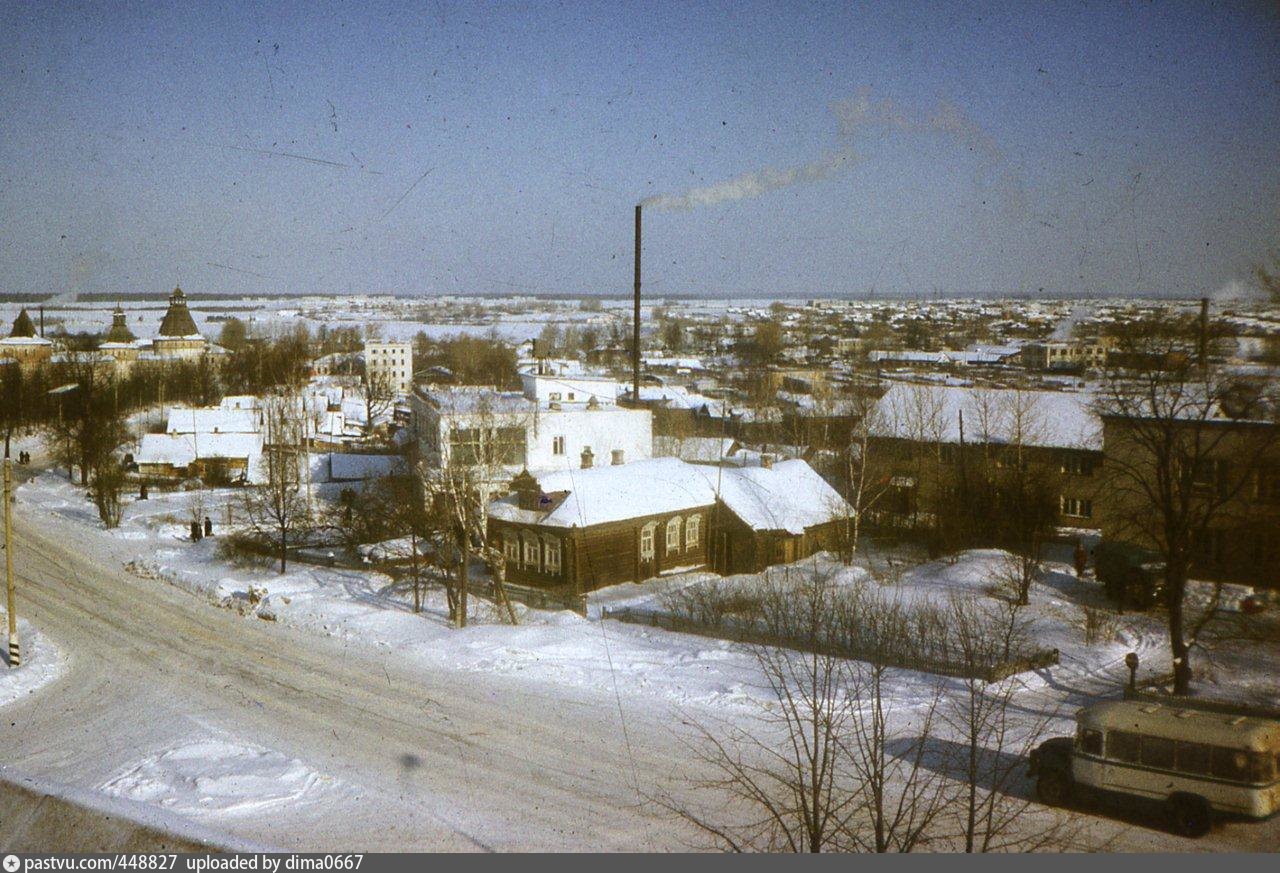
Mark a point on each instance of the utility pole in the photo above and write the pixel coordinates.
(15, 657)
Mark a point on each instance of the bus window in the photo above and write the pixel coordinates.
(1264, 766)
(1231, 764)
(1194, 758)
(1122, 746)
(1157, 752)
(1090, 741)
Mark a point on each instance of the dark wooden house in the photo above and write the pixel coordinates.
(578, 530)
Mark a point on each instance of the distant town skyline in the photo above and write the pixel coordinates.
(939, 150)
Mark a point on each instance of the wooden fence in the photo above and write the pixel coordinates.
(754, 635)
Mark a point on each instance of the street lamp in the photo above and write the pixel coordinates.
(1131, 661)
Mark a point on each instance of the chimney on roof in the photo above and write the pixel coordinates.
(766, 461)
(617, 457)
(528, 491)
(635, 327)
(588, 457)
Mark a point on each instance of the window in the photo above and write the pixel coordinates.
(1208, 547)
(551, 556)
(1231, 764)
(469, 446)
(1194, 758)
(531, 553)
(1122, 746)
(570, 395)
(646, 541)
(1157, 752)
(1077, 464)
(1267, 486)
(1211, 475)
(511, 549)
(557, 445)
(1076, 507)
(692, 531)
(555, 395)
(1090, 741)
(673, 534)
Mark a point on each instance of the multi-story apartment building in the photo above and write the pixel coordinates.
(1227, 501)
(390, 363)
(924, 438)
(555, 423)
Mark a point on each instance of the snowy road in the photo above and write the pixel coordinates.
(396, 760)
(292, 739)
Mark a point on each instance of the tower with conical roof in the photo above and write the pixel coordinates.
(177, 320)
(119, 332)
(120, 344)
(24, 344)
(179, 337)
(23, 326)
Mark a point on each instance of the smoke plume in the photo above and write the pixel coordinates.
(853, 116)
(754, 184)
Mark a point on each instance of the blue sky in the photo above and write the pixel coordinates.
(433, 148)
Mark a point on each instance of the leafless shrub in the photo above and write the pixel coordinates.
(1100, 625)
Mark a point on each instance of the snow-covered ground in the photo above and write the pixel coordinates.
(41, 662)
(220, 776)
(367, 607)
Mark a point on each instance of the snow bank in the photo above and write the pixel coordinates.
(219, 777)
(42, 663)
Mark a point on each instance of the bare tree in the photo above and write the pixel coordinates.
(1184, 442)
(379, 394)
(822, 768)
(994, 736)
(485, 440)
(276, 508)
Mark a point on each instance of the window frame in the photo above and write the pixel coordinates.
(673, 534)
(692, 531)
(550, 548)
(531, 545)
(648, 533)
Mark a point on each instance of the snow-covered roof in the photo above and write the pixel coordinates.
(213, 420)
(790, 496)
(466, 400)
(349, 467)
(695, 449)
(676, 397)
(618, 492)
(932, 413)
(181, 449)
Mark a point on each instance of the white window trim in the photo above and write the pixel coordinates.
(531, 545)
(647, 533)
(673, 534)
(550, 548)
(692, 532)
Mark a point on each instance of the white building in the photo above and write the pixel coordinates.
(555, 423)
(390, 361)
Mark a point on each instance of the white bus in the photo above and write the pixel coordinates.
(1194, 761)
